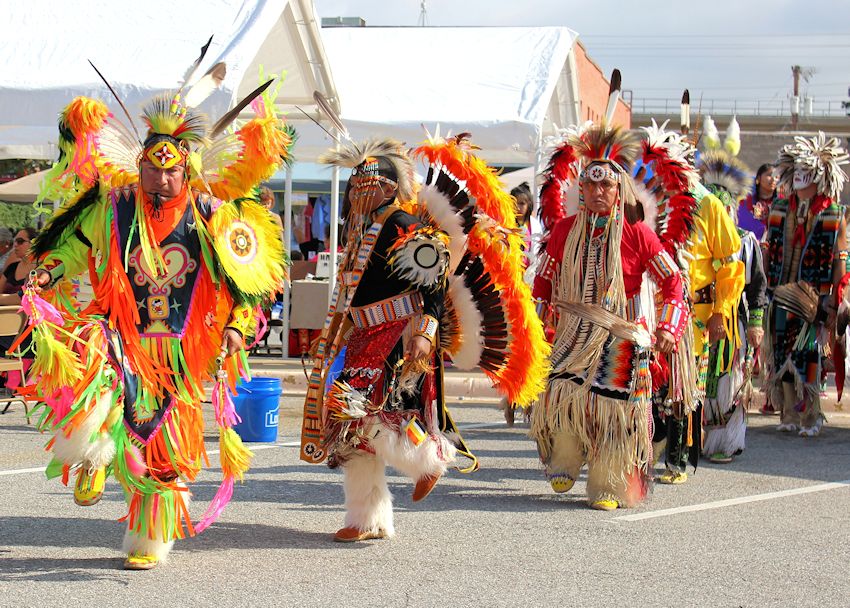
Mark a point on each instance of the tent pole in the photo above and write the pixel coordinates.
(334, 229)
(538, 160)
(287, 243)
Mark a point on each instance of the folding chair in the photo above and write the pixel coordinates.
(12, 321)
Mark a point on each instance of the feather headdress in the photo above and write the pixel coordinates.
(580, 146)
(603, 143)
(671, 158)
(823, 157)
(98, 147)
(389, 150)
(719, 168)
(718, 164)
(164, 117)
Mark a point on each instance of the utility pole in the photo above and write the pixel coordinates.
(796, 70)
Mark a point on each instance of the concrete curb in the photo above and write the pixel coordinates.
(457, 385)
(461, 385)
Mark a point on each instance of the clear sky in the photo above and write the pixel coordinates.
(720, 49)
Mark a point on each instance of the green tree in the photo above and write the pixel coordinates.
(14, 216)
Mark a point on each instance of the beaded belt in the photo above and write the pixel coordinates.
(391, 309)
(706, 295)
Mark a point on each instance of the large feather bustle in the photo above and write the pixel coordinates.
(671, 157)
(93, 147)
(481, 181)
(678, 222)
(720, 168)
(391, 150)
(493, 268)
(799, 298)
(824, 157)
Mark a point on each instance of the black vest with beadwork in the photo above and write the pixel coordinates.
(163, 301)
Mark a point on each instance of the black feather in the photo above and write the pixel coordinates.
(57, 229)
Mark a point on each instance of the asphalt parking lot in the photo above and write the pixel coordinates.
(770, 529)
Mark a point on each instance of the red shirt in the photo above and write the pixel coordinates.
(638, 247)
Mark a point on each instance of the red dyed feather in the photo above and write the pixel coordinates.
(552, 193)
(679, 223)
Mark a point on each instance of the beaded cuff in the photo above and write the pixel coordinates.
(546, 267)
(242, 320)
(55, 269)
(427, 327)
(756, 318)
(674, 318)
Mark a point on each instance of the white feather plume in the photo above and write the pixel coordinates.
(468, 355)
(710, 134)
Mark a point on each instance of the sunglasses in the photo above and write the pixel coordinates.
(20, 241)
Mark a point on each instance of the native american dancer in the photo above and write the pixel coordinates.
(728, 386)
(806, 261)
(716, 282)
(422, 275)
(665, 181)
(176, 271)
(595, 409)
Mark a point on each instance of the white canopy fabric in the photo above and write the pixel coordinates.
(22, 190)
(506, 85)
(144, 48)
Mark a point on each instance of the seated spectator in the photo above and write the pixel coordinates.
(6, 241)
(20, 264)
(14, 277)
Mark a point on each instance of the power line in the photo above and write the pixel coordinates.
(726, 47)
(674, 54)
(746, 87)
(723, 36)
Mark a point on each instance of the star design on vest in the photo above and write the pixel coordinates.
(192, 226)
(140, 304)
(176, 306)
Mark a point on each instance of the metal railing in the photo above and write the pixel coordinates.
(746, 107)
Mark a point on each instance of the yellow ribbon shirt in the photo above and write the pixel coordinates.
(714, 246)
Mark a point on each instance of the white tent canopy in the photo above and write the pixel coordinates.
(506, 85)
(144, 48)
(22, 190)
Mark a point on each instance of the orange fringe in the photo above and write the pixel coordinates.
(114, 294)
(264, 143)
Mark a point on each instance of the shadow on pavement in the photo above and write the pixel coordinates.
(107, 535)
(59, 570)
(822, 458)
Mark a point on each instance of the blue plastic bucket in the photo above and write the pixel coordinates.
(257, 403)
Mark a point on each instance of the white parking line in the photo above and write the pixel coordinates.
(730, 502)
(17, 471)
(267, 446)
